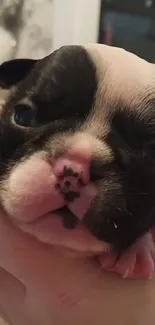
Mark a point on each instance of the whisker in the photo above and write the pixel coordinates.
(127, 211)
(140, 193)
(115, 225)
(124, 210)
(137, 193)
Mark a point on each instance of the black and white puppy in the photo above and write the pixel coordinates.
(77, 152)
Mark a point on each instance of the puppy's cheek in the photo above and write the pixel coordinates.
(29, 192)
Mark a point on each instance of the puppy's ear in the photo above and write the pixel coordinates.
(13, 71)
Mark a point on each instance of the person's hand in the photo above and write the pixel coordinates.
(39, 286)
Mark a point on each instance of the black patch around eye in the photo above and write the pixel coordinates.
(23, 115)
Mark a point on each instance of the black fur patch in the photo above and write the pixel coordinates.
(14, 71)
(132, 140)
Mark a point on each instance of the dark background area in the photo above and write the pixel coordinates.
(129, 24)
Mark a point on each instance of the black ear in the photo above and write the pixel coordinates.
(13, 71)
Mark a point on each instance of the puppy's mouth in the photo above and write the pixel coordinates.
(62, 228)
(63, 225)
(69, 219)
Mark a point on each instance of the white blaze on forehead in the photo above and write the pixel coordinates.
(121, 73)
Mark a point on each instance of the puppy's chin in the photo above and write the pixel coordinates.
(49, 230)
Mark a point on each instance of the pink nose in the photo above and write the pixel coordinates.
(71, 177)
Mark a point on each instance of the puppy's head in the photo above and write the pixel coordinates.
(77, 146)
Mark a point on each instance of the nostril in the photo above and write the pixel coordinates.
(81, 180)
(57, 186)
(67, 183)
(69, 188)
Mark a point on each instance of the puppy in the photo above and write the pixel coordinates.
(77, 157)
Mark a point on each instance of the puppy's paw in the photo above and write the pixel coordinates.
(138, 261)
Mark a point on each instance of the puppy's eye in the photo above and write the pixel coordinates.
(24, 115)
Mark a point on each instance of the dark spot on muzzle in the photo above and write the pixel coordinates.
(71, 196)
(67, 183)
(70, 221)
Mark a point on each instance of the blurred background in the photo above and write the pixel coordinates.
(129, 24)
(34, 28)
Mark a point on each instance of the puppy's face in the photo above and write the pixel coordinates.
(77, 147)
